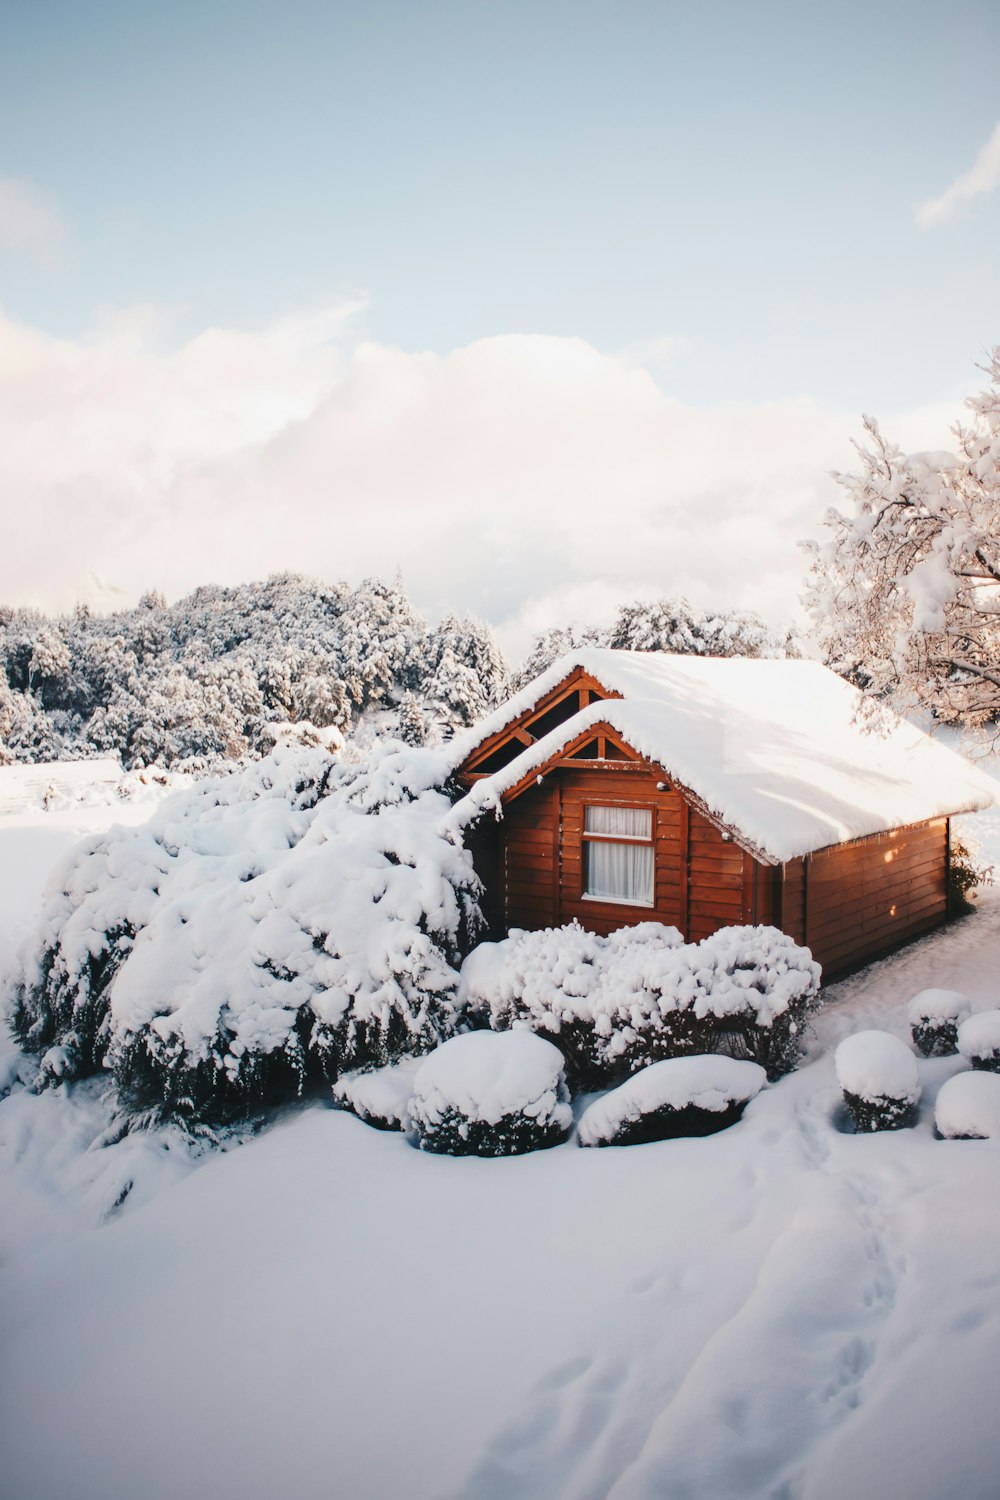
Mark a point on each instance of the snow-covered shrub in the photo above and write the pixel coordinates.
(680, 1096)
(491, 1094)
(934, 1017)
(968, 1108)
(616, 1004)
(878, 1075)
(302, 917)
(572, 986)
(979, 1040)
(966, 873)
(381, 1096)
(758, 985)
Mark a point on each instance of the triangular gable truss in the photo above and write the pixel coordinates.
(561, 703)
(627, 759)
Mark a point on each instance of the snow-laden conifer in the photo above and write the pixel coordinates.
(301, 917)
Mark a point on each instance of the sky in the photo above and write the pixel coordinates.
(549, 305)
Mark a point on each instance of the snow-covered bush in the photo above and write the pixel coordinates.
(302, 917)
(758, 986)
(380, 1096)
(934, 1017)
(491, 1094)
(616, 1004)
(968, 1108)
(878, 1075)
(681, 1096)
(573, 987)
(979, 1040)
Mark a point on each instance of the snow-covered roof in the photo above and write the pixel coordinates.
(774, 750)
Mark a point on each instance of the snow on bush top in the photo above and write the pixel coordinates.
(297, 889)
(486, 1075)
(937, 1006)
(563, 974)
(969, 1105)
(979, 1036)
(712, 1083)
(876, 1065)
(774, 749)
(382, 1094)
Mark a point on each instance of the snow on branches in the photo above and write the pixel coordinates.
(905, 593)
(300, 917)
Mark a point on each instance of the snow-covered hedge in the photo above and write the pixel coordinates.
(681, 1096)
(491, 1094)
(878, 1075)
(934, 1017)
(616, 1004)
(979, 1040)
(380, 1096)
(300, 917)
(968, 1108)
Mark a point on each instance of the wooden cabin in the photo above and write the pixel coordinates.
(623, 787)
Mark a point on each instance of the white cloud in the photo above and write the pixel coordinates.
(529, 479)
(29, 222)
(982, 177)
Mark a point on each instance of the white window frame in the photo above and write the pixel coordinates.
(649, 842)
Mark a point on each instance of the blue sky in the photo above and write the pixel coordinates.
(739, 176)
(724, 194)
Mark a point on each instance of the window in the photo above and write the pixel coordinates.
(618, 855)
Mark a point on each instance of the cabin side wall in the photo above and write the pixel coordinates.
(866, 897)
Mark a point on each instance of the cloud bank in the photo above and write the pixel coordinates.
(528, 479)
(982, 177)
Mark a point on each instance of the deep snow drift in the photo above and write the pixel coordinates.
(782, 1310)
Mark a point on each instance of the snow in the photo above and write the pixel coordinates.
(228, 889)
(937, 1007)
(563, 974)
(968, 1106)
(711, 1083)
(381, 1095)
(485, 1075)
(775, 750)
(979, 1037)
(874, 1065)
(784, 1309)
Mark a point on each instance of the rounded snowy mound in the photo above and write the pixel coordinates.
(873, 1065)
(934, 1017)
(937, 1006)
(491, 1093)
(679, 1096)
(979, 1040)
(968, 1107)
(380, 1096)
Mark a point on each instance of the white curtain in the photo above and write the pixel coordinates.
(620, 872)
(619, 822)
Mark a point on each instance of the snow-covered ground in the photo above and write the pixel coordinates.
(785, 1310)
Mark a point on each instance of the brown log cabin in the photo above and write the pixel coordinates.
(625, 787)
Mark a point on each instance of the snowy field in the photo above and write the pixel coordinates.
(785, 1310)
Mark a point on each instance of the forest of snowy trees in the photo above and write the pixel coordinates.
(199, 682)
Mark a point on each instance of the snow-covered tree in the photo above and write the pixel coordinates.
(300, 918)
(905, 593)
(663, 625)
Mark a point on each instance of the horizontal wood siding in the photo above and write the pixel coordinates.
(632, 788)
(792, 900)
(716, 887)
(531, 840)
(867, 897)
